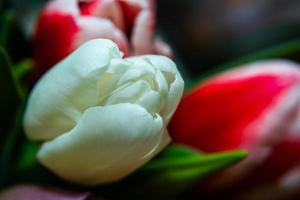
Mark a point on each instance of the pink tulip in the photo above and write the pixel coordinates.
(63, 25)
(30, 192)
(254, 107)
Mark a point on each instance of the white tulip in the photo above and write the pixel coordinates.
(101, 116)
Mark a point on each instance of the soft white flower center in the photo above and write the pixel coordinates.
(138, 83)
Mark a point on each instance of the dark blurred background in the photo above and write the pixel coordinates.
(207, 33)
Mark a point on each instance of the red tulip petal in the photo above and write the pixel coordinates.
(53, 39)
(89, 7)
(214, 116)
(130, 12)
(283, 157)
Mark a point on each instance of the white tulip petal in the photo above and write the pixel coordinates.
(151, 101)
(100, 116)
(108, 80)
(139, 69)
(162, 84)
(163, 142)
(102, 143)
(67, 90)
(174, 96)
(129, 94)
(176, 85)
(175, 81)
(162, 63)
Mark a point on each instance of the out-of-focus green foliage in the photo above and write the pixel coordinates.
(13, 50)
(11, 95)
(3, 5)
(12, 37)
(175, 170)
(10, 114)
(168, 175)
(287, 50)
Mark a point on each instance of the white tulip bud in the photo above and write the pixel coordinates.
(100, 116)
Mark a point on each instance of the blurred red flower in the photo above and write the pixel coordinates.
(254, 107)
(63, 25)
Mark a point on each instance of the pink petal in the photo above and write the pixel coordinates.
(162, 48)
(30, 192)
(143, 33)
(95, 27)
(69, 7)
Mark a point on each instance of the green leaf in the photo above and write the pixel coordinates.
(180, 157)
(288, 50)
(11, 112)
(172, 172)
(179, 167)
(12, 37)
(21, 73)
(28, 169)
(27, 158)
(175, 170)
(9, 148)
(11, 95)
(21, 69)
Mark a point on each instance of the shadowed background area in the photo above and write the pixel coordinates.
(207, 33)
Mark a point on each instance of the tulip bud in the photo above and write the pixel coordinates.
(64, 25)
(254, 107)
(100, 116)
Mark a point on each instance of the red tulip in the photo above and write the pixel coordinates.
(254, 107)
(63, 25)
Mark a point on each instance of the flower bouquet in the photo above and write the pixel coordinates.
(94, 106)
